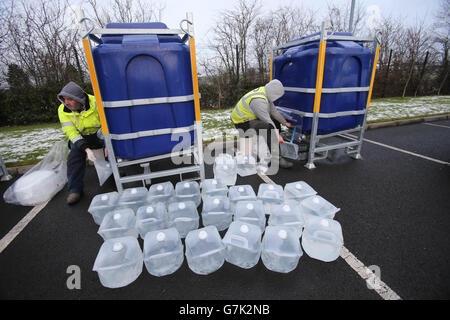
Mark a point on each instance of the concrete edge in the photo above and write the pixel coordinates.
(396, 123)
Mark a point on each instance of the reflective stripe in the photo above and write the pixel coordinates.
(323, 115)
(141, 134)
(76, 139)
(327, 90)
(137, 102)
(76, 120)
(241, 114)
(67, 124)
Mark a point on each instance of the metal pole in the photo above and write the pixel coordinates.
(317, 98)
(352, 12)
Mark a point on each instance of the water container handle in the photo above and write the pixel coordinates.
(325, 236)
(187, 34)
(235, 239)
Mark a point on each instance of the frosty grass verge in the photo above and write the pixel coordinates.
(27, 145)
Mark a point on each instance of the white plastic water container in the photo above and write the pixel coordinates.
(318, 206)
(281, 249)
(37, 186)
(161, 192)
(298, 191)
(225, 169)
(133, 198)
(214, 187)
(101, 204)
(183, 216)
(270, 194)
(188, 191)
(205, 252)
(322, 239)
(151, 217)
(251, 212)
(119, 262)
(163, 252)
(288, 215)
(242, 244)
(217, 212)
(246, 164)
(118, 223)
(241, 193)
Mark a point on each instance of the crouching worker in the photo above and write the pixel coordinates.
(80, 122)
(255, 110)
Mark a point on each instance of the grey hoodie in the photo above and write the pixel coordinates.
(73, 91)
(264, 110)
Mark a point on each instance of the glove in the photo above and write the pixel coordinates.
(90, 155)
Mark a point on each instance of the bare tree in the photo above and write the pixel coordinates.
(442, 32)
(124, 11)
(417, 41)
(338, 17)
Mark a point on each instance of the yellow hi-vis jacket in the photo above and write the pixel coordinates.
(75, 124)
(242, 111)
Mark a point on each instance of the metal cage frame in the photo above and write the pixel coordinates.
(352, 145)
(195, 150)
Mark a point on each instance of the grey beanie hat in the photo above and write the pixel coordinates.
(274, 89)
(73, 91)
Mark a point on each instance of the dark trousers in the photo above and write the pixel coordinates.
(259, 126)
(76, 163)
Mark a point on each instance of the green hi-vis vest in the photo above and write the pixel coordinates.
(75, 124)
(242, 111)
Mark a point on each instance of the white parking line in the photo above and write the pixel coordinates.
(372, 280)
(14, 232)
(405, 151)
(437, 125)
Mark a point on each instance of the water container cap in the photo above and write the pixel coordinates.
(271, 187)
(216, 201)
(133, 191)
(159, 188)
(150, 210)
(250, 206)
(282, 234)
(161, 236)
(104, 197)
(117, 246)
(286, 208)
(117, 216)
(298, 186)
(316, 200)
(324, 223)
(214, 182)
(241, 189)
(202, 235)
(186, 185)
(244, 228)
(181, 206)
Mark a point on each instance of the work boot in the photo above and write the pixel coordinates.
(285, 164)
(73, 198)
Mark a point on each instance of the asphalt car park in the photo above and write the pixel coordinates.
(394, 215)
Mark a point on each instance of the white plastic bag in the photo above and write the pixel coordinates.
(102, 167)
(42, 181)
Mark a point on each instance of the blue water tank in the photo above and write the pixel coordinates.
(131, 67)
(347, 64)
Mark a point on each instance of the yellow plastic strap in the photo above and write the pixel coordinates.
(374, 68)
(271, 61)
(94, 81)
(194, 79)
(319, 79)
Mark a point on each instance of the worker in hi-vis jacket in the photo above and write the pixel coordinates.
(80, 122)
